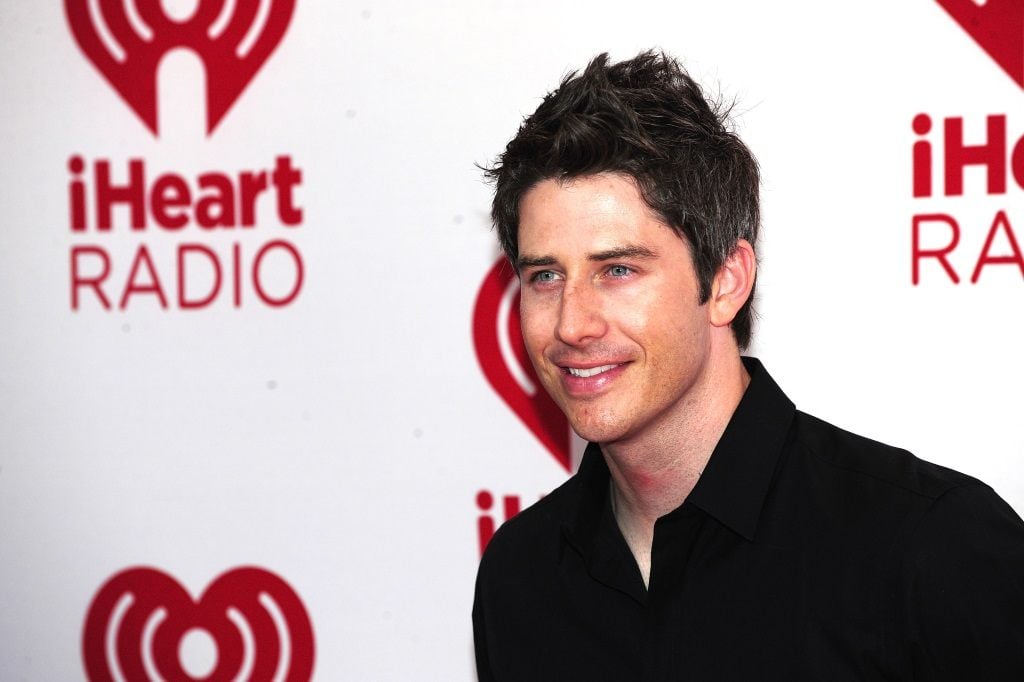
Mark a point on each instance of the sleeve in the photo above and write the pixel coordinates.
(484, 672)
(964, 593)
(483, 667)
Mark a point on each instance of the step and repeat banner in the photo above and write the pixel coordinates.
(263, 399)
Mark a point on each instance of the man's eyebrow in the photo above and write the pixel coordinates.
(534, 262)
(630, 251)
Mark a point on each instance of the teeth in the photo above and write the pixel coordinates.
(590, 372)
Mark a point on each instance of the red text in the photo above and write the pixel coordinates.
(212, 200)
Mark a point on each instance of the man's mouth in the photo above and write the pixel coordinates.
(590, 371)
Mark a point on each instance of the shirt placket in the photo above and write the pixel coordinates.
(671, 636)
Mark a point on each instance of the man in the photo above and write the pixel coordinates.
(713, 532)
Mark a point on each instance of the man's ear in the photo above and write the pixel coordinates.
(732, 284)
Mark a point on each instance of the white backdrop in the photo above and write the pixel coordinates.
(340, 441)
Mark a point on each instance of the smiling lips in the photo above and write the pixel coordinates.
(584, 381)
(592, 371)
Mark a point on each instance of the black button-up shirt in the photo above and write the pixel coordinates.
(803, 553)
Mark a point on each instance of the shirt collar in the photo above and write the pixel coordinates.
(734, 483)
(593, 531)
(739, 474)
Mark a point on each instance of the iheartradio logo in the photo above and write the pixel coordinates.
(126, 39)
(946, 233)
(997, 26)
(501, 352)
(142, 624)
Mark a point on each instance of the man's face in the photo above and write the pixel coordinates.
(610, 308)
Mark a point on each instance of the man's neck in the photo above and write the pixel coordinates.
(654, 473)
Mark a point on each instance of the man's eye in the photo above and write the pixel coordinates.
(619, 271)
(544, 276)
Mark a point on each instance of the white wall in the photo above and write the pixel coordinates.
(340, 441)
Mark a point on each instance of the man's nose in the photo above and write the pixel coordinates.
(580, 317)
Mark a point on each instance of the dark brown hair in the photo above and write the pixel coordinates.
(645, 118)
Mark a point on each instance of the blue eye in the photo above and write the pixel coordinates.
(544, 276)
(619, 271)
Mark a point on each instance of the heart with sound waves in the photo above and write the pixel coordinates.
(127, 39)
(502, 356)
(997, 26)
(136, 623)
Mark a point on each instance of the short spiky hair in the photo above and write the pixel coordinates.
(645, 118)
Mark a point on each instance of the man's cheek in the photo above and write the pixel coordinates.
(536, 332)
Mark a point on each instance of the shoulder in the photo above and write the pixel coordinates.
(531, 535)
(939, 510)
(884, 468)
(886, 498)
(956, 548)
(962, 580)
(969, 520)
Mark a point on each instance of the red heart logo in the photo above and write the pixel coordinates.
(137, 620)
(127, 40)
(499, 348)
(997, 26)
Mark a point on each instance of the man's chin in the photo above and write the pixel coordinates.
(598, 431)
(601, 420)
